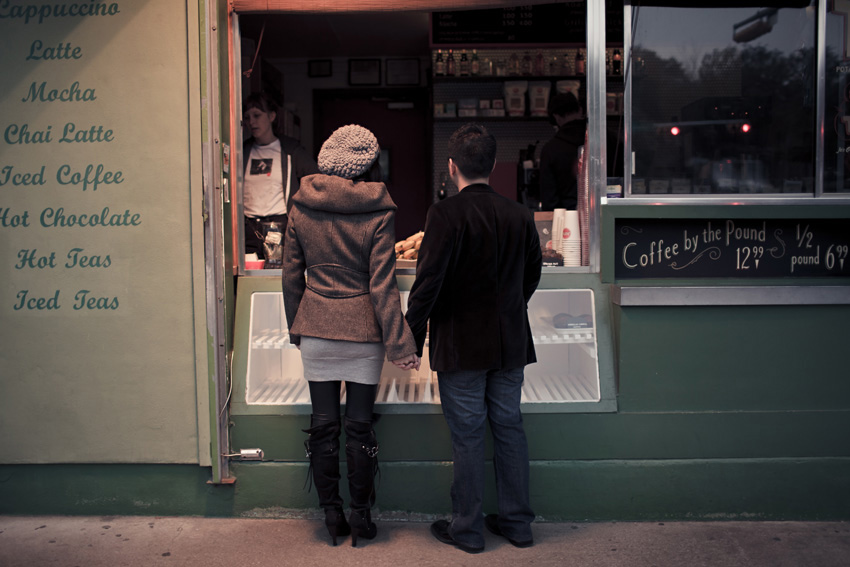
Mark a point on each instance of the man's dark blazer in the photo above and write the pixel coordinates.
(479, 263)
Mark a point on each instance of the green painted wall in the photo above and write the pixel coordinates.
(100, 116)
(734, 358)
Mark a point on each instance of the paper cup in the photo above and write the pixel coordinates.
(558, 220)
(570, 231)
(570, 236)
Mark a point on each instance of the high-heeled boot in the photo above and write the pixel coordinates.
(323, 451)
(361, 453)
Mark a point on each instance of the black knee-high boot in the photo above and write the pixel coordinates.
(323, 451)
(361, 452)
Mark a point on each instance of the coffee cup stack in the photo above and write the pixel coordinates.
(567, 236)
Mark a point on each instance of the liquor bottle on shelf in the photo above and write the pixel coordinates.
(554, 66)
(474, 64)
(463, 65)
(488, 67)
(450, 64)
(579, 62)
(617, 64)
(526, 64)
(513, 64)
(539, 64)
(439, 64)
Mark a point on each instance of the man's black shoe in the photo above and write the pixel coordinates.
(440, 529)
(492, 523)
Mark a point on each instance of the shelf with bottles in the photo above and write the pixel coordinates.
(450, 65)
(494, 79)
(613, 81)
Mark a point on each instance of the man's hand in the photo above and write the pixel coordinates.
(411, 362)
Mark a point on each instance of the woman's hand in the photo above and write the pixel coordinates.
(410, 362)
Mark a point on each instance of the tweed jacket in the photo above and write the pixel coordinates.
(479, 263)
(339, 265)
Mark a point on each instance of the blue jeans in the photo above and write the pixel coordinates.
(470, 399)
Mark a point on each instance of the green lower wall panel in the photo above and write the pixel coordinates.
(95, 490)
(262, 489)
(733, 358)
(639, 490)
(604, 437)
(746, 489)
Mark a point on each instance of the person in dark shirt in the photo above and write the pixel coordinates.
(559, 157)
(272, 168)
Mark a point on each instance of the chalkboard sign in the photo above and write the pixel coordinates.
(542, 23)
(731, 248)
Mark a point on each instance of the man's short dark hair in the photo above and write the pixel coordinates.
(473, 149)
(563, 104)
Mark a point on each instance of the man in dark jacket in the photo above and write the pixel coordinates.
(559, 157)
(479, 263)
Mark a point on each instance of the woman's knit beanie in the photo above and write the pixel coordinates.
(349, 152)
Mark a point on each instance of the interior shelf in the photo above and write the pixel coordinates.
(424, 389)
(497, 78)
(275, 339)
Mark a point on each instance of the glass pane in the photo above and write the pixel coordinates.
(563, 324)
(723, 99)
(836, 163)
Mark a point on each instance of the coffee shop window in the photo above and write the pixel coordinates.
(836, 151)
(723, 99)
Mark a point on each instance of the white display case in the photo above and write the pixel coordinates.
(563, 323)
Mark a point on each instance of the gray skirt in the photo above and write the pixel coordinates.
(326, 360)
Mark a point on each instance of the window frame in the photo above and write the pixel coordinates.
(818, 197)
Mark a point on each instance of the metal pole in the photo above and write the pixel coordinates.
(596, 117)
(821, 96)
(214, 247)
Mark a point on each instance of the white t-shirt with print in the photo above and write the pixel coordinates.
(264, 183)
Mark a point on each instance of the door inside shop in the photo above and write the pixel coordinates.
(398, 118)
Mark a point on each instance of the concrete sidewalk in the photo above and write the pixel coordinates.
(84, 541)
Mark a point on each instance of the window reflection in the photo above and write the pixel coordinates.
(723, 99)
(836, 151)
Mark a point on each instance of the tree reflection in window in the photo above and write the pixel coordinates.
(723, 99)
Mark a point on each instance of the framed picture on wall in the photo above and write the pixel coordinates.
(366, 72)
(402, 72)
(319, 68)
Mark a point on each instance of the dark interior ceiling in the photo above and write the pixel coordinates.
(395, 34)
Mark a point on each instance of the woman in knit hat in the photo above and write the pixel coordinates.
(344, 312)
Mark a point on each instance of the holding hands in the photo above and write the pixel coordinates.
(410, 362)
